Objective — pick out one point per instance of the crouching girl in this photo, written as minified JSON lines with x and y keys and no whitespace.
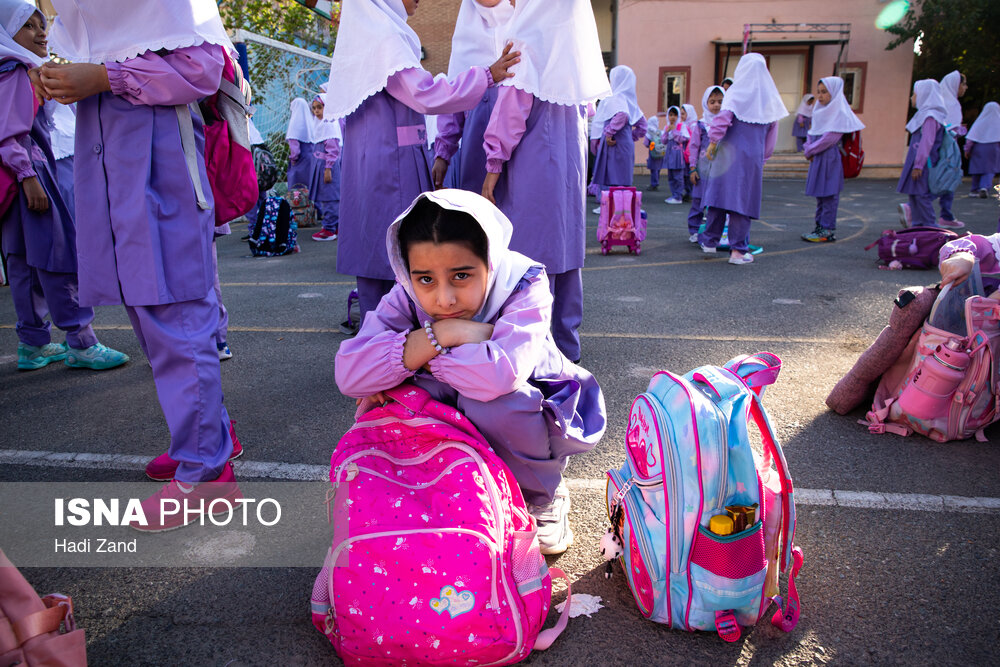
{"x":468,"y":320}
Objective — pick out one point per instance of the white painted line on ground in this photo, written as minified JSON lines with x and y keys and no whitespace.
{"x":303,"y":472}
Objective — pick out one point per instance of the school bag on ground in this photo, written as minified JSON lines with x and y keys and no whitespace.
{"x":33,"y":630}
{"x":852,"y":155}
{"x":435,"y":558}
{"x":622,"y":220}
{"x":913,"y":247}
{"x":302,"y":205}
{"x":945,"y":384}
{"x":265,"y":166}
{"x":689,"y":463}
{"x":274,"y":232}
{"x":946,"y":175}
{"x":229,"y":163}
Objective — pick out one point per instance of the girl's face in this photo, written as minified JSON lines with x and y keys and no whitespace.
{"x":672,"y":117}
{"x":410,"y":6}
{"x":962,"y":87}
{"x":32,"y":36}
{"x":913,"y":99}
{"x":449,"y":279}
{"x":822,"y":94}
{"x":715,"y":102}
{"x":317,"y":109}
{"x":491,"y":3}
{"x":684,"y":114}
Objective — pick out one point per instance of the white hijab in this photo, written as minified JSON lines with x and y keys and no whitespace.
{"x":13,"y":15}
{"x":255,"y":136}
{"x":706,"y":115}
{"x":479,"y":35}
{"x":622,"y":99}
{"x":506,"y":267}
{"x":753,"y":97}
{"x":63,"y":135}
{"x":100,"y":31}
{"x":806,"y":109}
{"x":986,"y":129}
{"x":652,"y":128}
{"x":300,"y":122}
{"x":561,"y":60}
{"x":683,"y":128}
{"x":373,"y":43}
{"x":322,"y":128}
{"x":837,"y":116}
{"x":949,"y":93}
{"x":692,"y":115}
{"x":929,"y":105}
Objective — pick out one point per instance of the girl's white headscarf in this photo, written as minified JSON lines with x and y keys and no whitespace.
{"x":100,"y":31}
{"x":929,"y":105}
{"x":692,"y":115}
{"x":986,"y":129}
{"x":806,"y":109}
{"x":63,"y":136}
{"x":753,"y":97}
{"x":13,"y":15}
{"x":836,"y":116}
{"x":706,"y":115}
{"x":255,"y":136}
{"x":506,"y":267}
{"x":373,"y":43}
{"x":561,"y":60}
{"x":949,"y":93}
{"x":652,"y":124}
{"x":479,"y":35}
{"x":301,"y":121}
{"x":622,"y":100}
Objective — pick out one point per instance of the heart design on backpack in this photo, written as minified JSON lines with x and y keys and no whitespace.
{"x":454,"y":602}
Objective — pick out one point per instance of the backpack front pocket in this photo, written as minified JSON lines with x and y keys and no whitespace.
{"x":727,"y":572}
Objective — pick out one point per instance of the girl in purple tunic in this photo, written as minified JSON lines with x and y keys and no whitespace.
{"x":678,"y":136}
{"x":742,"y":138}
{"x":327,"y":135}
{"x":982,"y":147}
{"x":468,"y":320}
{"x":617,"y":125}
{"x":711,"y":104}
{"x":39,"y":235}
{"x":952,"y":87}
{"x":144,"y":240}
{"x":832,"y":118}
{"x":654,"y":141}
{"x":803,"y":121}
{"x":383,"y":94}
{"x":926,"y":130}
{"x":303,"y":167}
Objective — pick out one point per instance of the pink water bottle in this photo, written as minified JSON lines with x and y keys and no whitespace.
{"x":935,"y":380}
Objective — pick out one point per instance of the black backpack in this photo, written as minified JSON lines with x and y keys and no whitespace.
{"x":265,"y":166}
{"x":274,"y":232}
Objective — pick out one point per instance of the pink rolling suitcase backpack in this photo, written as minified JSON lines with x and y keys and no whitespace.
{"x":622,"y":220}
{"x":434,"y":556}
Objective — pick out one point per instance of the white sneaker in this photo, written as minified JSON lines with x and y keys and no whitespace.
{"x":673,"y":200}
{"x":224,"y":352}
{"x":693,"y":238}
{"x":738,"y":258}
{"x":904,"y":215}
{"x":707,"y":249}
{"x":554,"y":533}
{"x":596,"y":211}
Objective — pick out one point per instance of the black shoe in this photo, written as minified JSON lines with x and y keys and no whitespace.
{"x":653,"y":188}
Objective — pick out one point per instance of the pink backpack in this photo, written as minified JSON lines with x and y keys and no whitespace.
{"x":622,"y":220}
{"x":434,"y":557}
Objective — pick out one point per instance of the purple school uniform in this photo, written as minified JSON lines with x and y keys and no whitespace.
{"x":917,"y":153}
{"x":143,"y":241}
{"x":534,"y":425}
{"x":736,"y":174}
{"x":40,"y":246}
{"x":984,"y":158}
{"x":696,"y":149}
{"x":542,"y":190}
{"x":825,"y":180}
{"x":386,"y":165}
{"x":468,"y":158}
{"x":328,"y":195}
{"x":306,"y":170}
{"x":801,"y":132}
{"x":614,"y":165}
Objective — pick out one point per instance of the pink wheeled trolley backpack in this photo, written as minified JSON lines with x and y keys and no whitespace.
{"x":622,"y":220}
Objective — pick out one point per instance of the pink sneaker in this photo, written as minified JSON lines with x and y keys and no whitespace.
{"x":178,"y":504}
{"x":951,"y":224}
{"x":162,"y":468}
{"x":905,"y":215}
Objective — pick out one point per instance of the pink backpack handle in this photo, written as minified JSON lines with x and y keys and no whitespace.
{"x":549,"y":635}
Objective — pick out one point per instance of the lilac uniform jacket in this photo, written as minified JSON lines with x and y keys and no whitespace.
{"x":735,"y":178}
{"x":141,"y":237}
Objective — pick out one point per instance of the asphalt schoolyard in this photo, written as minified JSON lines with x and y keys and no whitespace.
{"x":899,"y":534}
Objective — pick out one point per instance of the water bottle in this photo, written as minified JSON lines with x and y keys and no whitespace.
{"x":935,"y":380}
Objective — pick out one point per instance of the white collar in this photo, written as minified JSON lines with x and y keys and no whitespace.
{"x":100,"y":31}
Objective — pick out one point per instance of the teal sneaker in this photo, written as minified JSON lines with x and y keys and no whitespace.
{"x":31,"y":357}
{"x":96,"y":357}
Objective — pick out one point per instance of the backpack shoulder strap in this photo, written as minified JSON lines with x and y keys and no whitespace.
{"x":186,"y":126}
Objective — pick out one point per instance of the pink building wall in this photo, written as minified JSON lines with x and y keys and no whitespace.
{"x":660,"y":33}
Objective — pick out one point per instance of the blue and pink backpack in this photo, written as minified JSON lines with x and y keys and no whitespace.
{"x":689,"y":457}
{"x":434,"y":556}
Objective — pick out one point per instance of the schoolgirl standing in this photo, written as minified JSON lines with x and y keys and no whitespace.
{"x":614,"y":129}
{"x":742,"y":138}
{"x":953,"y":86}
{"x":654,"y":141}
{"x":468,"y":320}
{"x":38,"y":230}
{"x":303,"y":168}
{"x":832,"y":118}
{"x":926,"y":129}
{"x":144,"y":240}
{"x":383,"y":93}
{"x":327,"y":136}
{"x":982,"y":147}
{"x":803,"y":121}
{"x":677,"y":140}
{"x":711,"y":104}
{"x":689,"y":116}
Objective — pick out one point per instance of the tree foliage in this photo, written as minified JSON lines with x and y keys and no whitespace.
{"x":955,"y":34}
{"x":283,"y":20}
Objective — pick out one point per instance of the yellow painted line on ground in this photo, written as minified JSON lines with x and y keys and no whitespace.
{"x":265,"y":284}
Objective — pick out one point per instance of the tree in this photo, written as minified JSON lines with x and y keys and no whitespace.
{"x":955,"y":34}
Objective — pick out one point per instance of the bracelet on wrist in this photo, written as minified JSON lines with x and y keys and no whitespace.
{"x":433,"y":340}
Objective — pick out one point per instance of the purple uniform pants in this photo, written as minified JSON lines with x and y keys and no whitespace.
{"x":676,"y":177}
{"x":739,"y":229}
{"x":567,"y":311}
{"x":826,"y":211}
{"x":37,"y":292}
{"x":696,"y":215}
{"x":222,"y":332}
{"x":922,"y":210}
